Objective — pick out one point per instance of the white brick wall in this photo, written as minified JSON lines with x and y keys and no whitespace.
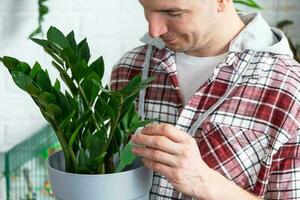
{"x":112,"y":27}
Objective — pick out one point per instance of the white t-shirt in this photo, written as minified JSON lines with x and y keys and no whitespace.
{"x":193,"y":71}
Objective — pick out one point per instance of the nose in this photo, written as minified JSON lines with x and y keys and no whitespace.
{"x":156,"y":25}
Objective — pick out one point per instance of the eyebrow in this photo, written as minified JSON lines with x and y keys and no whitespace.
{"x":172,"y":9}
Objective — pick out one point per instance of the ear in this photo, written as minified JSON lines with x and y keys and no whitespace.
{"x":223,"y":4}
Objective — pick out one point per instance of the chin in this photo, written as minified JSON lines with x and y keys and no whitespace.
{"x":176,"y":48}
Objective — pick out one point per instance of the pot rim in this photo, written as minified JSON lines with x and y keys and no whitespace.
{"x":142,"y":167}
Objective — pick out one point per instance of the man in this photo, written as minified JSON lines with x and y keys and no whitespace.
{"x":227,"y":98}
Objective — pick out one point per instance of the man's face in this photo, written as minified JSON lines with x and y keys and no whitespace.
{"x":184,"y":25}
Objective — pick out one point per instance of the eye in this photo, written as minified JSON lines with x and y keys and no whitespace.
{"x":175,"y":13}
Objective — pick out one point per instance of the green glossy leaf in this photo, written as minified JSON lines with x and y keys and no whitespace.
{"x":69,"y":56}
{"x":85,"y":116}
{"x":67,"y":80}
{"x":104,"y":90}
{"x":83,"y":170}
{"x":33,"y":90}
{"x":135,"y":85}
{"x":114,"y":146}
{"x":35,"y":70}
{"x":86,"y":137}
{"x":128,"y":103}
{"x":71,"y":39}
{"x":58,"y":67}
{"x":69,"y":83}
{"x":136,"y":125}
{"x":84,"y":51}
{"x":79,"y":70}
{"x":57,"y":37}
{"x":44,"y":81}
{"x":106,"y":109}
{"x":46,"y":98}
{"x":94,"y":143}
{"x":53,"y":111}
{"x":68,"y":130}
{"x":115,"y":104}
{"x":63,"y":103}
{"x":126,"y":157}
{"x":54,"y":51}
{"x":126,"y":120}
{"x":49,"y":116}
{"x":10,"y":62}
{"x":73,"y":104}
{"x":42,"y":43}
{"x":66,"y":121}
{"x":57,"y":85}
{"x":100,"y":158}
{"x":91,"y":91}
{"x":21,"y":79}
{"x":131,"y":85}
{"x":102,"y":101}
{"x":23,"y":67}
{"x":98,"y":67}
{"x":83,"y":160}
{"x":75,"y":134}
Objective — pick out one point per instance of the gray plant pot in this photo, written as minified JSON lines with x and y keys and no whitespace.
{"x":132,"y":184}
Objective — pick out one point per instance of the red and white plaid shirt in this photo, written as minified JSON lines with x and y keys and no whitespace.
{"x":252,"y":138}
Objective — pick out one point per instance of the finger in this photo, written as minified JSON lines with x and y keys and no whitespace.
{"x":160,"y":168}
{"x":166,"y":130}
{"x":157,"y":142}
{"x":155,"y":155}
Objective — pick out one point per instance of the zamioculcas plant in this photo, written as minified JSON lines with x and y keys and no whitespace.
{"x":93,"y":124}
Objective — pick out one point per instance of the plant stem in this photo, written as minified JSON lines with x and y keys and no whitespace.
{"x":54,"y":57}
{"x":70,"y":162}
{"x":109,"y":161}
{"x":64,"y":75}
{"x":113,"y":128}
{"x":70,"y":158}
{"x":88,"y":106}
{"x":109,"y":165}
{"x":100,"y":169}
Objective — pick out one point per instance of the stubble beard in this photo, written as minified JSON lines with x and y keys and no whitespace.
{"x":181,"y":45}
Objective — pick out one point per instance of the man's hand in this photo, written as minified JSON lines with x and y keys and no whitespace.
{"x":173,"y":154}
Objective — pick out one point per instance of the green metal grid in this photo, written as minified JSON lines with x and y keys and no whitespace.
{"x":26,"y":153}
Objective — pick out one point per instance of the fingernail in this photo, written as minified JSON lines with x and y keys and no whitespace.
{"x":133,"y":137}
